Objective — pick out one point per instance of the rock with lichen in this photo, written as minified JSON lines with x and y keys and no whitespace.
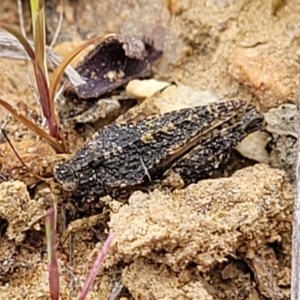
{"x":282,"y":123}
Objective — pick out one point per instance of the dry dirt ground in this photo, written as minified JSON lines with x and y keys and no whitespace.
{"x":227,"y":238}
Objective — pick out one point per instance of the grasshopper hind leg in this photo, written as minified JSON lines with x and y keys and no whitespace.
{"x":82,"y":224}
{"x":211,"y":155}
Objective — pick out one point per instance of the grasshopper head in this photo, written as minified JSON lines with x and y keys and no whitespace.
{"x":66,"y":177}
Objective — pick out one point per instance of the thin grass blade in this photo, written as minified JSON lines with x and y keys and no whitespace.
{"x":41,"y":69}
{"x":46,"y":102}
{"x":27,"y":122}
{"x":34,"y":6}
{"x":50,"y":224}
{"x":40,"y":36}
{"x":97,"y":265}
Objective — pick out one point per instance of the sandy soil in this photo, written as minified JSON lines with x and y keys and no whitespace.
{"x":227,"y":238}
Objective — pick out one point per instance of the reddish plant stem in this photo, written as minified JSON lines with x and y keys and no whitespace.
{"x":97,"y":265}
{"x":52,"y":259}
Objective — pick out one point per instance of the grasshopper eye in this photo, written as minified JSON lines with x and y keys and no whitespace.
{"x":69,"y":186}
{"x":66,"y":177}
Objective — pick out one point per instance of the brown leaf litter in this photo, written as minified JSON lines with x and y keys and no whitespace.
{"x":112,"y":64}
{"x":106,"y":68}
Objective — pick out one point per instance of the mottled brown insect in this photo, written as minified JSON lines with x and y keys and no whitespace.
{"x":192,"y":142}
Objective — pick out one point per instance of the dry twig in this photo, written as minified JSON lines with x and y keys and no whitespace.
{"x":10,"y":47}
{"x":295,"y":278}
{"x":57,"y":31}
{"x":21,"y":17}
